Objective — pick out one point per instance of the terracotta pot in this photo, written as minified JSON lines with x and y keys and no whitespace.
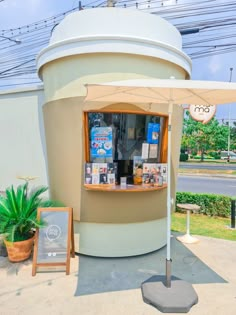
{"x":19,"y":251}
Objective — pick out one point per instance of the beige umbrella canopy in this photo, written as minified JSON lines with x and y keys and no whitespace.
{"x":163,"y":91}
{"x":168,"y":92}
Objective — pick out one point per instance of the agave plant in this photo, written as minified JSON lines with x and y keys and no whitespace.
{"x":18,"y":211}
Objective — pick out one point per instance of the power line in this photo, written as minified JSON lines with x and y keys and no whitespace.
{"x":215,"y":20}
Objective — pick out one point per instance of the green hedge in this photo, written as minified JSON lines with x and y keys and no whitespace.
{"x":212,"y":205}
{"x":205,"y":157}
{"x":183,"y":157}
{"x":215,"y":155}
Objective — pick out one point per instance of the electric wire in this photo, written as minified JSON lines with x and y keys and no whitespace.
{"x":216,"y":21}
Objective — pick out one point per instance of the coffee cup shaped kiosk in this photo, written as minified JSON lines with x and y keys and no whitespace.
{"x":92,"y":146}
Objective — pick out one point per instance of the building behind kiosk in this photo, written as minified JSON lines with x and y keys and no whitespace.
{"x":90,"y":146}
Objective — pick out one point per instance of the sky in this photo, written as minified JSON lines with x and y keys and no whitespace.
{"x":16,"y":13}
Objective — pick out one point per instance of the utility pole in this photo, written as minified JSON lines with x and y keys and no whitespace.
{"x":228,"y":158}
{"x":111,"y":3}
{"x":80,"y":6}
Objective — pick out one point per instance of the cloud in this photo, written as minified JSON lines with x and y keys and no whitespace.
{"x":214,"y":64}
{"x":14,"y":14}
{"x":169,"y":2}
{"x":33,"y":5}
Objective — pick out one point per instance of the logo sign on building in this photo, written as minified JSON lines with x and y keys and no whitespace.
{"x":202,"y":113}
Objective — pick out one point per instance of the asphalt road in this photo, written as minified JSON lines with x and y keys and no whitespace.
{"x":214,"y":185}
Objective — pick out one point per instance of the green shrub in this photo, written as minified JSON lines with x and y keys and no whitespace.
{"x":183,"y":157}
{"x":205,"y":157}
{"x":214,"y":154}
{"x":211,"y":204}
{"x":194,"y":152}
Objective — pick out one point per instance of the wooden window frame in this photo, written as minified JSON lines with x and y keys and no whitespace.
{"x":164,"y":135}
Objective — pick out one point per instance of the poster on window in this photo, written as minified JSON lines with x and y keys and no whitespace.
{"x":101,"y":142}
{"x":153,"y":133}
{"x":153,"y":151}
{"x":145,"y":150}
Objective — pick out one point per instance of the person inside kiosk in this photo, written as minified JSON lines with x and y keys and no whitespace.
{"x":125,"y":145}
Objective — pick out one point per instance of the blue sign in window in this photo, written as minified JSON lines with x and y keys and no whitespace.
{"x":101,"y":142}
{"x":153,"y":133}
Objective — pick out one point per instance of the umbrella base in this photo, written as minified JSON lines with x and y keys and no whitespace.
{"x":187,"y":239}
{"x":179,"y":298}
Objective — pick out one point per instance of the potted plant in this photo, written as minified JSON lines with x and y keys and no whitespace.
{"x":18,"y":219}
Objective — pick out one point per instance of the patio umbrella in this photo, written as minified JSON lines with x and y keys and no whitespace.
{"x":163,"y":91}
{"x":169,"y":92}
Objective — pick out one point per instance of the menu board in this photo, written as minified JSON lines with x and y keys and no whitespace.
{"x":101,"y":142}
{"x":55,"y":240}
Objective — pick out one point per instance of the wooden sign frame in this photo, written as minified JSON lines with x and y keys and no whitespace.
{"x":70,"y":241}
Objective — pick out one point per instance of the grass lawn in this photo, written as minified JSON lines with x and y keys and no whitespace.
{"x":203,"y":225}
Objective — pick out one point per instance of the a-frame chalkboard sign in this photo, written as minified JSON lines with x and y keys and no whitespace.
{"x":54,"y":243}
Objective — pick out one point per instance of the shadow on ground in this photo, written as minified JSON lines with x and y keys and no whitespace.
{"x":97,"y":275}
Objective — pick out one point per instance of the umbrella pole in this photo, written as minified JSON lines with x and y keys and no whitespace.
{"x":168,"y":255}
{"x":178,"y":296}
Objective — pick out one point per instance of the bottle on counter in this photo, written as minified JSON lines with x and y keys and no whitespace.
{"x":160,"y":180}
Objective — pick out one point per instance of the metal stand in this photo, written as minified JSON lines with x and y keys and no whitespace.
{"x":232,"y":213}
{"x":187,"y":238}
{"x":168,"y":273}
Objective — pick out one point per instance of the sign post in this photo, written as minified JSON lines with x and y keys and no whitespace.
{"x":54,"y":243}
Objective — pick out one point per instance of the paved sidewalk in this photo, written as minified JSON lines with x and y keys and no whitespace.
{"x":100,"y":286}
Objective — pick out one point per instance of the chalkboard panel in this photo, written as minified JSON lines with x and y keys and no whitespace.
{"x":53,"y":242}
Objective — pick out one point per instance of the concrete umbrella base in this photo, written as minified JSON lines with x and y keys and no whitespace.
{"x":179,"y":298}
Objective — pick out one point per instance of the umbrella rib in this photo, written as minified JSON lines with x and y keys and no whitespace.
{"x":148,"y":97}
{"x":109,"y":94}
{"x":197,"y":95}
{"x":159,"y":94}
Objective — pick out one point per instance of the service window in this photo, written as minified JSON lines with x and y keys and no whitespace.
{"x":129,"y":140}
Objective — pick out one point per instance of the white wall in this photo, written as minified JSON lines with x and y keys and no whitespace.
{"x":22,"y":143}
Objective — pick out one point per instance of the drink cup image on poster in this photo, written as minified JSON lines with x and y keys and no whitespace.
{"x":103,"y":178}
{"x":102,"y":168}
{"x":153,"y":133}
{"x":95,"y":179}
{"x":88,"y":168}
{"x":164,"y":172}
{"x":95,"y":168}
{"x":88,"y":179}
{"x":101,"y":142}
{"x":111,"y":178}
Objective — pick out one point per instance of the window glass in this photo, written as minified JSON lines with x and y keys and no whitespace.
{"x":124,"y":138}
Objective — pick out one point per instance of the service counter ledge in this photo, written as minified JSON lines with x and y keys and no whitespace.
{"x":129,"y":188}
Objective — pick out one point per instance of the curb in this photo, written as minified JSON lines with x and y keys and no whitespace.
{"x":208,"y":175}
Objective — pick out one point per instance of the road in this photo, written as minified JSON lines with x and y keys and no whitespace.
{"x":214,"y":185}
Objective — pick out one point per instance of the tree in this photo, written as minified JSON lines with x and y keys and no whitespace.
{"x":204,"y":137}
{"x":233,"y":136}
